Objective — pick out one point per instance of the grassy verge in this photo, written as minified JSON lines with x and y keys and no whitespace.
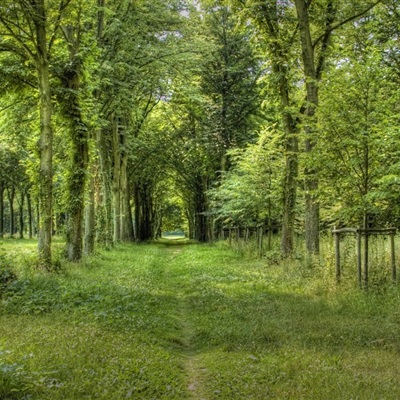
{"x":192,"y":321}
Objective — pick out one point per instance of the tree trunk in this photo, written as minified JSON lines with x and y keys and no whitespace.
{"x":116,"y":183}
{"x":291,"y":167}
{"x":89,"y":212}
{"x":37,"y":211}
{"x":127,"y":234}
{"x":127,"y":231}
{"x":78,"y":145}
{"x":158,"y":224}
{"x":201,"y":228}
{"x":144,"y":213}
{"x":21,"y":215}
{"x":1,"y":210}
{"x":46,"y":138}
{"x":136,"y":201}
{"x":11,"y":195}
{"x":30,"y":215}
{"x":281,"y":71}
{"x":190,"y":218}
{"x":104,"y":193}
{"x":77,"y":179}
{"x":311,"y":180}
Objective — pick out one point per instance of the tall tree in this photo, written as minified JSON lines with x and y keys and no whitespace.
{"x":229,"y":77}
{"x":138,"y":45}
{"x":314,"y":22}
{"x":314,"y":53}
{"x":276,"y":25}
{"x":24,"y":27}
{"x":71,"y":97}
{"x":216,"y":110}
{"x":358,"y":132}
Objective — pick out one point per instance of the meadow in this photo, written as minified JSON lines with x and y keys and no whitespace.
{"x":176,"y":320}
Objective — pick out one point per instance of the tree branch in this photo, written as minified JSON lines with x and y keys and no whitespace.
{"x":62,"y":7}
{"x":345,"y":21}
{"x":8,"y":26}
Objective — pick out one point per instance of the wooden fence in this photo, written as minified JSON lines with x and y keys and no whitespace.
{"x":363,"y":257}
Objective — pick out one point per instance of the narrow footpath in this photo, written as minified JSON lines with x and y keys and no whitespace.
{"x":194,"y":371}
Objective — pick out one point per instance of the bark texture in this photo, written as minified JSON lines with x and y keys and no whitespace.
{"x":311,"y":181}
{"x":78,"y":133}
{"x":1,"y":210}
{"x":280,"y":64}
{"x":46,"y":137}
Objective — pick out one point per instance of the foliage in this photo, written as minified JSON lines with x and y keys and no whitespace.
{"x":228,"y":78}
{"x":173,"y":215}
{"x":249,"y":194}
{"x":7,"y":275}
{"x":358,"y":138}
{"x":161,"y":99}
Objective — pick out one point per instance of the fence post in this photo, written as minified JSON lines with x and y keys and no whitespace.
{"x":260,"y":240}
{"x":337,"y":254}
{"x":366,"y":251}
{"x":393,"y":256}
{"x":359,"y":267}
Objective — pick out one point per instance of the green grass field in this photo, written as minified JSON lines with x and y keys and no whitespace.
{"x":177,"y":321}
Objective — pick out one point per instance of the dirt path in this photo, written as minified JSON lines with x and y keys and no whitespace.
{"x":195,"y":372}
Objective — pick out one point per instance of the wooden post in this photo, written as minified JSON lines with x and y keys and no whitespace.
{"x":359,"y":266}
{"x":393,"y":257}
{"x":260,"y":240}
{"x":337,"y":254}
{"x":366,"y":250}
{"x":269,"y":237}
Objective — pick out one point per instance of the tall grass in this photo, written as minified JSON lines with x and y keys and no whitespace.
{"x":194,"y":321}
{"x":380,"y":271}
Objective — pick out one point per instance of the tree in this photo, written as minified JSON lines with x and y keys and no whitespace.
{"x":358,"y":133}
{"x":24,"y":32}
{"x":314,"y":22}
{"x":70,"y":72}
{"x":313,"y":64}
{"x":139,"y":42}
{"x":216,"y":111}
{"x":229,"y":77}
{"x":249,"y":194}
{"x":276,"y":25}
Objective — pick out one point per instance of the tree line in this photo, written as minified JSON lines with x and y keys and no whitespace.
{"x":119,"y":119}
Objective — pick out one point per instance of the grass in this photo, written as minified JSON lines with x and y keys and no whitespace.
{"x":173,"y":321}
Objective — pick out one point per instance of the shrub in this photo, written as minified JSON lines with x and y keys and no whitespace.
{"x":7,"y":275}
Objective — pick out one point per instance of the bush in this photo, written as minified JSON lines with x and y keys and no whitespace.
{"x":7,"y":275}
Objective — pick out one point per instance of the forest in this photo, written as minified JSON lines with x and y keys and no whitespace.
{"x":191,"y":194}
{"x":120,"y":120}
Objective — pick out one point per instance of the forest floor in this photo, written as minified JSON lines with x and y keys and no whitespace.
{"x":175,"y":321}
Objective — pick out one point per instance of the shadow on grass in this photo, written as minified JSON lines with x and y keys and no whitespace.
{"x":224,"y":311}
{"x":179,"y":241}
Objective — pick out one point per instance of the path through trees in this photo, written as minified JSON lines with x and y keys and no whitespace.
{"x":120,"y":119}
